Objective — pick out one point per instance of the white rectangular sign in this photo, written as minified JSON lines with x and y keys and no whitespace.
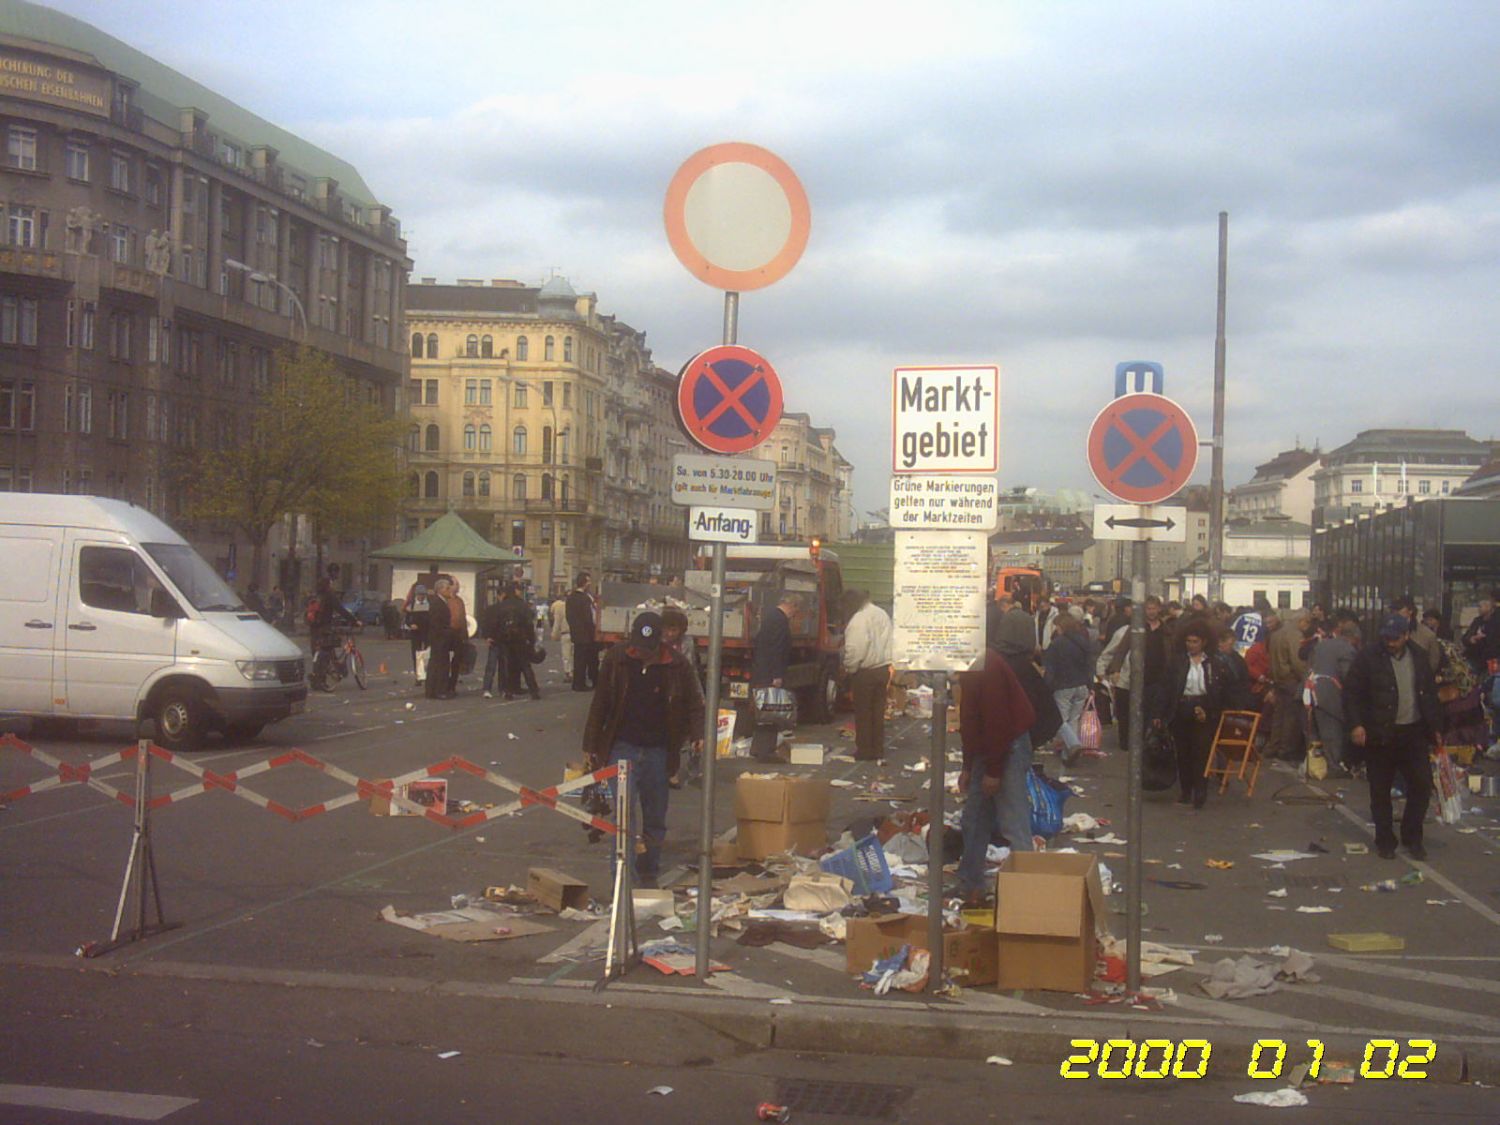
{"x":731,"y":482}
{"x":1140,"y":523}
{"x":722,"y":525}
{"x":939,"y":606}
{"x":937,"y":502}
{"x":945,"y":420}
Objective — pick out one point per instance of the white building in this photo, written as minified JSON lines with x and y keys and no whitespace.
{"x":1380,"y":468}
{"x":1266,"y":560}
{"x":1283,"y":486}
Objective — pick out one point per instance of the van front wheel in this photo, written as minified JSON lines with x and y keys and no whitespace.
{"x":179,"y":720}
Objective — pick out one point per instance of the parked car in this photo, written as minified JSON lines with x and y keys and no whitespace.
{"x":365,"y":605}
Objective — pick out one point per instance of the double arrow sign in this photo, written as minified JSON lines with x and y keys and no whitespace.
{"x":1140,"y":523}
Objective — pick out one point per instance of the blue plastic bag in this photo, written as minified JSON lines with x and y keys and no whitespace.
{"x":1047,"y":799}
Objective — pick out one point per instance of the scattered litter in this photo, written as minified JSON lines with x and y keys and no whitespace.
{"x":1180,"y":884}
{"x":1236,"y":980}
{"x":411,"y":706}
{"x":1386,"y":886}
{"x":1443,"y":901}
{"x":1367,"y":943}
{"x":1277,"y":1099}
{"x":473,"y":923}
{"x":1314,"y":910}
{"x":998,"y":1060}
{"x":1279,"y":892}
{"x":1353,"y":848}
{"x":449,"y":1054}
{"x":313,"y":1043}
{"x":1283,"y":855}
{"x":1080,"y":822}
{"x":512,"y":736}
{"x":1107,"y":838}
{"x":1219,"y":864}
{"x":672,"y":957}
{"x":1411,"y":878}
{"x":460,"y":901}
{"x":1318,"y":848}
{"x":782,"y":1000}
{"x":660,"y":1091}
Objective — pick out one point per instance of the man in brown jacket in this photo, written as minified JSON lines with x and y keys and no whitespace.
{"x":646,"y":705}
{"x":1288,"y":674}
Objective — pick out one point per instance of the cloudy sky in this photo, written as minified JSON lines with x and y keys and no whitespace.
{"x":1035,"y":185}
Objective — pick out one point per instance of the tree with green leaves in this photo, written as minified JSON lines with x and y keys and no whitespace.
{"x":313,"y":444}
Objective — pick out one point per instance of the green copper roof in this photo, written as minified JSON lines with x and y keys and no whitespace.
{"x":163,"y":92}
{"x":449,"y":539}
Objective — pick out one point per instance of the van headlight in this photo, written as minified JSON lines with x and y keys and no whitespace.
{"x":257,"y":670}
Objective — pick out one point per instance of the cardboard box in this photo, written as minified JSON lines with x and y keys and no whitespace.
{"x":880,"y":935}
{"x":1367,"y":943}
{"x":777,"y":812}
{"x":557,"y":890}
{"x":807,"y":754}
{"x":429,"y":794}
{"x":1049,"y":904}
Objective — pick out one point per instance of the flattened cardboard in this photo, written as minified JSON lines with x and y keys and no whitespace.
{"x":1049,"y":906}
{"x":468,"y":925}
{"x":556,"y":889}
{"x":972,"y":950}
{"x":430,"y":794}
{"x":806,"y":754}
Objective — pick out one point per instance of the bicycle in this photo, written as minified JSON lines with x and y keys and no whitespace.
{"x":333,"y":663}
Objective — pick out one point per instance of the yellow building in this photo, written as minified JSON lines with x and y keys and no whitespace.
{"x":813,"y":495}
{"x":513,"y":390}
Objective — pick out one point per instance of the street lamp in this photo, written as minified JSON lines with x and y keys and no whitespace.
{"x":262,"y":278}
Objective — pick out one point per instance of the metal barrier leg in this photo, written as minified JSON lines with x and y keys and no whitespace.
{"x":140,"y":871}
{"x":623,"y":952}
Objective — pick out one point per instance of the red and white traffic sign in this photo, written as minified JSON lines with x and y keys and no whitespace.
{"x":1142,"y":448}
{"x":728,"y":399}
{"x":737,"y":216}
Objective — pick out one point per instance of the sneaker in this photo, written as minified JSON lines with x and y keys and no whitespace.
{"x":489,"y":695}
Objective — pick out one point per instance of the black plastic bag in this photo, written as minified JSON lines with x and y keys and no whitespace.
{"x":1158,"y":760}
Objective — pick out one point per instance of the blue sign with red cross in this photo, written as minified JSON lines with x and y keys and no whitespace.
{"x":1142,"y":448}
{"x":728,"y":399}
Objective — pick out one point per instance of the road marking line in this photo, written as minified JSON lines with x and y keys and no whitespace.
{"x":1470,"y":1020}
{"x":106,"y":1103}
{"x":1447,"y":980}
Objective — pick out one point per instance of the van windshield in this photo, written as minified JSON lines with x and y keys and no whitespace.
{"x":194,"y":578}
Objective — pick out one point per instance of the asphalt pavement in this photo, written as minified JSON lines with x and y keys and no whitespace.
{"x":264,"y":904}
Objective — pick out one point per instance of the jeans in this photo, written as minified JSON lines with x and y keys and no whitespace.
{"x":1070,"y":702}
{"x":650,"y":791}
{"x":982,"y":815}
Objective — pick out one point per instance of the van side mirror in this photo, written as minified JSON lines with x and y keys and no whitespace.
{"x":164,"y":605}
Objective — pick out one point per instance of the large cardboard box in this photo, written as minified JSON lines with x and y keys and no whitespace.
{"x":432,"y":794}
{"x":1048,"y":905}
{"x":880,"y":935}
{"x":777,"y":812}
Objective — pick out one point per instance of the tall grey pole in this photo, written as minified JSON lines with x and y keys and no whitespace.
{"x":711,"y":708}
{"x":1216,"y":483}
{"x":935,"y":771}
{"x":1140,"y":565}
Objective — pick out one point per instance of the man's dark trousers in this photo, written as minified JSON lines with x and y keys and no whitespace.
{"x":1405,"y":754}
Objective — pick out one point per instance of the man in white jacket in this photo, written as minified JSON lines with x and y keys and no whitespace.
{"x":867,"y":663}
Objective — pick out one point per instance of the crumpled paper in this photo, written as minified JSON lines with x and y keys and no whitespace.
{"x":1279,"y":1099}
{"x":823,"y":892}
{"x":1236,"y":980}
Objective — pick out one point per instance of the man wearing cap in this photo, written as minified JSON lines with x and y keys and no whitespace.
{"x":646,"y":705}
{"x":1391,"y":707}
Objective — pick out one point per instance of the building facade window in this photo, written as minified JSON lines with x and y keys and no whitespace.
{"x":549,"y":349}
{"x":518,"y":487}
{"x":432,"y":392}
{"x":468,"y":484}
{"x":471,"y":347}
{"x":470,"y":437}
{"x":20,"y":147}
{"x":471,"y":392}
{"x":484,"y":484}
{"x":432,"y":439}
{"x":520,"y":398}
{"x":432,"y":347}
{"x":518,"y":441}
{"x":416,"y":345}
{"x":484,"y":392}
{"x":414,"y":440}
{"x":523,"y":348}
{"x":1356,"y":485}
{"x":1424,"y":487}
{"x":21,"y":227}
{"x":119,"y":171}
{"x":484,"y":438}
{"x":567,"y":349}
{"x":430,"y":486}
{"x":414,"y":487}
{"x":77,"y":161}
{"x":487,"y":347}
{"x":17,"y":405}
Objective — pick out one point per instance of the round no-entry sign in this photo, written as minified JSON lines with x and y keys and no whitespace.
{"x":1143,"y":448}
{"x":737,"y":216}
{"x":729,"y":399}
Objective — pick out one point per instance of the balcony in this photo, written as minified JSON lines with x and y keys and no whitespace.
{"x":34,"y":263}
{"x":117,"y":275}
{"x":571,"y":506}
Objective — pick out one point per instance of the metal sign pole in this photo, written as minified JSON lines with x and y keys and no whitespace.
{"x":711,"y":707}
{"x":1141,"y":574}
{"x":935,"y":770}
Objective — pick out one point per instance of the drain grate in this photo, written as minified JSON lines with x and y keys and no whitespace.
{"x":843,"y":1099}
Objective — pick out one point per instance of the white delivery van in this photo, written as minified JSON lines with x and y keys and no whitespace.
{"x":107,"y":613}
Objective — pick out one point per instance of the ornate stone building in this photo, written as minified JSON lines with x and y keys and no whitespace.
{"x":160,"y":244}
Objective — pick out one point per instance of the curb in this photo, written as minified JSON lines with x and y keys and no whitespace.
{"x":886,"y":1028}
